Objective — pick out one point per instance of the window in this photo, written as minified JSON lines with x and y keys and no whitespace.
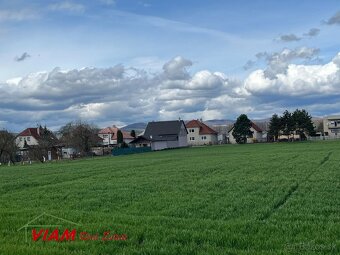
{"x":105,"y":136}
{"x":192,"y":138}
{"x":20,"y":139}
{"x":191,"y":130}
{"x":204,"y":138}
{"x":28,"y":138}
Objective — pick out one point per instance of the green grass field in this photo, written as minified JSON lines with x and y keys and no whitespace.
{"x":233,"y":199}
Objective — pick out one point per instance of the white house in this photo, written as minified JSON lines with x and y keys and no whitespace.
{"x":29,"y":136}
{"x":109,"y":136}
{"x":164,"y":135}
{"x":257,"y":135}
{"x":200,"y":134}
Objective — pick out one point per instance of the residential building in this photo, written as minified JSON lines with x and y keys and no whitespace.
{"x":257,"y":135}
{"x":28,"y":144}
{"x":109,"y":136}
{"x":29,"y":136}
{"x":331,"y":126}
{"x":164,"y":135}
{"x":200,"y":133}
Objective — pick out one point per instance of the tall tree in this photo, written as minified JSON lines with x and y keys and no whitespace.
{"x":8,"y":147}
{"x":287,"y":124}
{"x":274,"y":127}
{"x":242,"y":129}
{"x":80,"y":135}
{"x":303,"y":123}
{"x":120,"y":138}
{"x":133,"y":133}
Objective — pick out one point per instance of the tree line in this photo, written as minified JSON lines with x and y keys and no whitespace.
{"x":79,"y":135}
{"x":289,"y":124}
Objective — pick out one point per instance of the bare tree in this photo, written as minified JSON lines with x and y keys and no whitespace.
{"x":80,"y":135}
{"x":47,"y":141}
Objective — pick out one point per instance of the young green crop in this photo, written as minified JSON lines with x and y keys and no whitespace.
{"x":234,"y":199}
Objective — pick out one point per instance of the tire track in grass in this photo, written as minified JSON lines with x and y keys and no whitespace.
{"x":282,"y":200}
{"x":279,"y":203}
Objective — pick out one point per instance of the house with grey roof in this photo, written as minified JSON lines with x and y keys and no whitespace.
{"x":162,"y":135}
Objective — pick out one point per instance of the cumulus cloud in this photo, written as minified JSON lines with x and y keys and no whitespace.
{"x":67,"y":6}
{"x":125,"y":95}
{"x":312,"y":32}
{"x":249,"y":64}
{"x":277,"y":62}
{"x":23,"y":57}
{"x":314,"y":81}
{"x":289,"y":38}
{"x":175,"y":69}
{"x":334,"y":20}
{"x":118,"y":94}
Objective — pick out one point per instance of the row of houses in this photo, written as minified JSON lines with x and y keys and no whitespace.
{"x":159,"y":135}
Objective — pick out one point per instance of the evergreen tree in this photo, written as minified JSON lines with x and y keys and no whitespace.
{"x":242,"y":129}
{"x":120,"y":138}
{"x":303,"y":123}
{"x":287,"y":123}
{"x":274,"y":127}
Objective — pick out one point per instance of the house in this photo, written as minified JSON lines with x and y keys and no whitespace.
{"x":29,"y":136}
{"x":109,"y":136}
{"x":164,"y":135}
{"x":28,"y":142}
{"x":200,"y":134}
{"x":331,"y":126}
{"x":257,"y":135}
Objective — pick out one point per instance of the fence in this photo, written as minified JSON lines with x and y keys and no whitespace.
{"x":126,"y":151}
{"x":320,"y":138}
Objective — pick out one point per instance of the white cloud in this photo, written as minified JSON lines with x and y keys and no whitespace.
{"x":175,"y":69}
{"x":298,"y":80}
{"x":126,"y":95}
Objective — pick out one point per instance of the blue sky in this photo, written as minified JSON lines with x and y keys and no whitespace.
{"x":215,"y":51}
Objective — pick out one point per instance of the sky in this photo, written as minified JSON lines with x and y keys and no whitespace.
{"x":115,"y":62}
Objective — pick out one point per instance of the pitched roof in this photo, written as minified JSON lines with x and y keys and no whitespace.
{"x":30,"y":132}
{"x":163,"y":130}
{"x":204,"y":129}
{"x":256,"y":127}
{"x":253,"y":125}
{"x":113,"y":132}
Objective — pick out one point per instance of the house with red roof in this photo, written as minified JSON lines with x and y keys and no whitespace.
{"x":200,"y":133}
{"x":257,"y":135}
{"x":109,"y":136}
{"x":30,"y":137}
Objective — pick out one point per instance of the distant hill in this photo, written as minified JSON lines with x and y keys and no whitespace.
{"x":219,"y":122}
{"x":135,"y":126}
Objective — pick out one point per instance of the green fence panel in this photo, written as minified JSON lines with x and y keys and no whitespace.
{"x":126,"y":151}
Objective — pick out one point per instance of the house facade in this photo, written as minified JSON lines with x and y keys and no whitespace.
{"x":200,"y":134}
{"x":109,"y":136}
{"x":331,"y":126}
{"x":28,"y":144}
{"x":257,"y":135}
{"x":29,"y":136}
{"x":164,"y":135}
